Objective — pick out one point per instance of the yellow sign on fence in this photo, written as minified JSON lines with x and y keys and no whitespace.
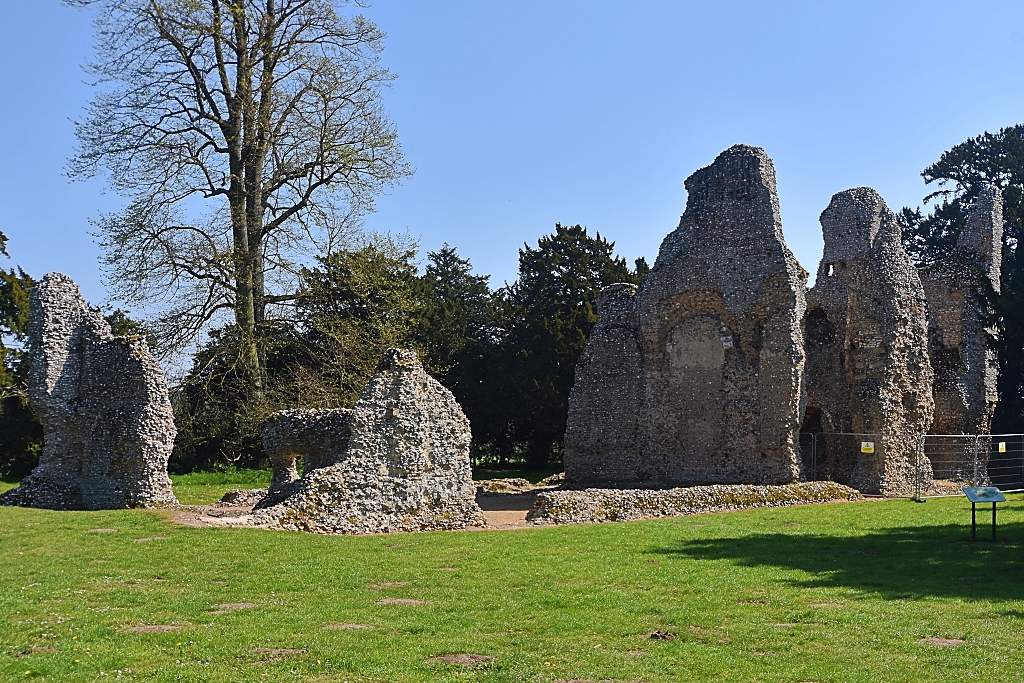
{"x":1002,"y":446}
{"x":867,"y":446}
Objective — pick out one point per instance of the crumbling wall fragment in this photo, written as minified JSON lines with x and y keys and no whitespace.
{"x":960,"y":334}
{"x":318,"y":436}
{"x":102,"y":400}
{"x":959,"y":325}
{"x":696,"y":378}
{"x":603,"y":432}
{"x":868,"y":369}
{"x":406,"y":466}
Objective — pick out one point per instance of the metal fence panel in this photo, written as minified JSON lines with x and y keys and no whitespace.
{"x":942,"y":464}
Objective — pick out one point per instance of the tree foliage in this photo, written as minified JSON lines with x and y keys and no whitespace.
{"x":547,"y":316}
{"x":508,"y":356}
{"x":351,"y":306}
{"x":246,"y":135}
{"x":20,"y":434}
{"x":959,"y":174}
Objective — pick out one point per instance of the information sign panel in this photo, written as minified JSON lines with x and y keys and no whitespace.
{"x":867,"y":446}
{"x":984,"y":494}
{"x":1002,"y":446}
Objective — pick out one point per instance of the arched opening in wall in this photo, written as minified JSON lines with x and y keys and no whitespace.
{"x":813,"y":453}
{"x":818,"y":329}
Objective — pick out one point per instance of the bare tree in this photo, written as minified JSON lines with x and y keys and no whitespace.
{"x":246,"y":134}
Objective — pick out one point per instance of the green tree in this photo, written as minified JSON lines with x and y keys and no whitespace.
{"x":549,"y":313}
{"x":246,"y":135}
{"x":959,"y":174}
{"x":456,"y":317}
{"x":352,"y":305}
{"x":460,"y":332}
{"x":21,"y":436}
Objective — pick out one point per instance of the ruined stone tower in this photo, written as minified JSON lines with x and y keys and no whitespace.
{"x":695,"y":378}
{"x":867,"y":357}
{"x":957,"y":290}
{"x":102,"y":400}
{"x":960,"y":332}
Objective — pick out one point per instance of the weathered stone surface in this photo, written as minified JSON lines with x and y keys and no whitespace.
{"x":695,"y":378}
{"x":102,"y":400}
{"x":867,"y":358}
{"x":958,"y":326}
{"x":620,"y":505}
{"x":958,"y":291}
{"x":406,"y":467}
{"x":319,"y":437}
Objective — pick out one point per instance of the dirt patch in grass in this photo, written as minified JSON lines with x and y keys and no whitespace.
{"x":388,"y":584}
{"x":100,"y":531}
{"x":399,"y":601}
{"x":152,"y":628}
{"x":228,"y":607}
{"x":278,"y":652}
{"x":941,"y":642}
{"x":461,"y":660}
{"x":662,"y":635}
{"x":506,"y":510}
{"x":37,"y":651}
{"x":446,"y":569}
{"x":347,"y":627}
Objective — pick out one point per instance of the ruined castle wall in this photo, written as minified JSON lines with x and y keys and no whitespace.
{"x":406,"y":466}
{"x":718,"y":324}
{"x":959,"y":330}
{"x":868,"y":367}
{"x":604,"y":406}
{"x":108,"y":427}
{"x":960,"y":336}
{"x":318,"y":436}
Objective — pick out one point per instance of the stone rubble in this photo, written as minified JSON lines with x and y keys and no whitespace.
{"x":695,"y":377}
{"x":868,"y":370}
{"x":102,"y":400}
{"x":620,"y":505}
{"x":406,"y":466}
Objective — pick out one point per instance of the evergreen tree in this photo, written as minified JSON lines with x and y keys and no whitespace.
{"x":550,"y":312}
{"x":959,"y":173}
{"x":21,"y":437}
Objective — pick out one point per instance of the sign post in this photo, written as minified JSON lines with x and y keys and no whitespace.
{"x":983,"y":494}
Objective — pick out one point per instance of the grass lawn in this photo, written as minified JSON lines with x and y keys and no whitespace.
{"x":204,"y":488}
{"x":839,"y":592}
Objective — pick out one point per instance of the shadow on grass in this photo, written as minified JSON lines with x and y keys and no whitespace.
{"x":913,"y":562}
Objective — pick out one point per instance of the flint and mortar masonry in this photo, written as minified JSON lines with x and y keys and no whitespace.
{"x":319,"y":437}
{"x":102,"y":400}
{"x":958,"y":290}
{"x":406,"y":466}
{"x":695,"y":378}
{"x":868,"y":369}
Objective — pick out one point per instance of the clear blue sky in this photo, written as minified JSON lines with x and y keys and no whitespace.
{"x":520,"y":114}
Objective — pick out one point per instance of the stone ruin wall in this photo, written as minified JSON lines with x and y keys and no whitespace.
{"x":398,"y":461}
{"x":959,"y":336}
{"x":102,"y":400}
{"x":695,"y":377}
{"x":318,"y":436}
{"x":868,"y":369}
